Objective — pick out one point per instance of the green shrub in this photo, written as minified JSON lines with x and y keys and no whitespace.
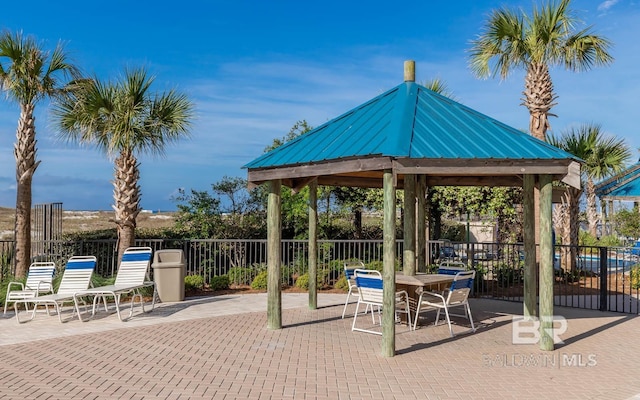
{"x":432,"y":268}
{"x":478,"y":282}
{"x":193,"y":282}
{"x":454,"y":231}
{"x":260,"y":281}
{"x":219,"y":282}
{"x":342,"y":284}
{"x":507,"y":275}
{"x":98,"y":280}
{"x":241,"y":275}
{"x":303,"y":281}
{"x":379,"y":265}
{"x":634,"y":275}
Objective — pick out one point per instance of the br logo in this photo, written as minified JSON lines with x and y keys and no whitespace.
{"x":527,"y":330}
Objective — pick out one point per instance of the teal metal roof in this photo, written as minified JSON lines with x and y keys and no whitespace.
{"x":623,"y":186}
{"x":410,"y":121}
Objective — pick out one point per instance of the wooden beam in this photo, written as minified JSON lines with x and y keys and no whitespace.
{"x":546,"y":265}
{"x":529,"y":226}
{"x":448,"y":166}
{"x":313,"y":244}
{"x":298,"y":184}
{"x":327,"y":168}
{"x":472,"y":180}
{"x":421,"y":224}
{"x":350,"y":181}
{"x":409,"y":226}
{"x":274,"y":246}
{"x":573,"y":177}
{"x":388,"y":267}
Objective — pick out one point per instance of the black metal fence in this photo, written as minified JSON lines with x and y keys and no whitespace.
{"x":598,"y":278}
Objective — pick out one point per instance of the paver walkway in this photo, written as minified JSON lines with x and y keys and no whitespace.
{"x":220,"y":348}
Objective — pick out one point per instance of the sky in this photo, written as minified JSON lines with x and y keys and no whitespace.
{"x":255,"y":68}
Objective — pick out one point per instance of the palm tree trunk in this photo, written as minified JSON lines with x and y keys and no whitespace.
{"x":574,"y":225}
{"x":592,"y":212}
{"x":538,"y":98}
{"x":25,"y":155}
{"x":569,"y":232}
{"x":126,"y":194}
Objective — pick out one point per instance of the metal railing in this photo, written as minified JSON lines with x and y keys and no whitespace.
{"x":599,"y":278}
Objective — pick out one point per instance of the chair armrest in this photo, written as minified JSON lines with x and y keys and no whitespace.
{"x":433,"y":295}
{"x":43,"y":285}
{"x":20,"y":284}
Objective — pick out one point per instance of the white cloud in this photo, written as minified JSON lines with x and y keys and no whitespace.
{"x":606,"y":5}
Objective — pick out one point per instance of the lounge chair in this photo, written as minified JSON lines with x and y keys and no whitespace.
{"x":451,"y":267}
{"x":39,"y":281}
{"x":131,"y":278}
{"x":76,"y":277}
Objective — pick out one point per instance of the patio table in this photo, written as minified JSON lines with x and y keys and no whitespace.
{"x":431,"y":282}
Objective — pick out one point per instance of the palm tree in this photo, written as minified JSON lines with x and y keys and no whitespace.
{"x":536,"y":42}
{"x":603,"y":157}
{"x":547,"y":38}
{"x":28,"y":74}
{"x":124,"y":119}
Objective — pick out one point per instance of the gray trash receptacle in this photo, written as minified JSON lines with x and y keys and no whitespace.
{"x":168,"y":273}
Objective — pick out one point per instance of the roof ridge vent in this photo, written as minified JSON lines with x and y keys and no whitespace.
{"x":409,"y":71}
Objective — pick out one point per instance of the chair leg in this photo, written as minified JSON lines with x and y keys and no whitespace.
{"x":446,"y":313}
{"x":355,"y":316}
{"x":346,"y":302}
{"x":473,"y":328}
{"x":437,"y":317}
{"x":415,"y":321}
{"x":408,"y":312}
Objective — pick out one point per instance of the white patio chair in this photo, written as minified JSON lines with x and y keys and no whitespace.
{"x":39,"y":281}
{"x":349,"y":268}
{"x":131,"y":278}
{"x":456,"y":296}
{"x":369,"y":284}
{"x":76,"y":277}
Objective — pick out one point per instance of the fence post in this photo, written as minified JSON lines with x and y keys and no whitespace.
{"x":604,"y":260}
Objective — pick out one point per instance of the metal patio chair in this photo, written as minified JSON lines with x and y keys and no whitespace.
{"x":455,"y":296}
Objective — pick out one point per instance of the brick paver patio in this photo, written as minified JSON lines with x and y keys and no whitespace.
{"x":220,"y":348}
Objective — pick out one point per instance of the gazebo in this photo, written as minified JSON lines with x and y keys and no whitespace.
{"x":623,"y":186}
{"x":410,"y":138}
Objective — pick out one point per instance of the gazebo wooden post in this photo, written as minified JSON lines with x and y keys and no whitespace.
{"x":388,"y":268}
{"x":421,"y":223}
{"x":546,"y":264}
{"x":274,"y":249}
{"x":530,"y":276}
{"x":409,"y":250}
{"x":313,"y":244}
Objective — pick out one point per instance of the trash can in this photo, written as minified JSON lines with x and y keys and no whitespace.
{"x":168,"y":273}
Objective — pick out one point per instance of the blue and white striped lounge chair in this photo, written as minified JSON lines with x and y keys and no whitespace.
{"x":132,"y":276}
{"x":451,"y":267}
{"x":76,"y":277}
{"x":369,"y":284}
{"x":456,"y":296}
{"x":39,"y":281}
